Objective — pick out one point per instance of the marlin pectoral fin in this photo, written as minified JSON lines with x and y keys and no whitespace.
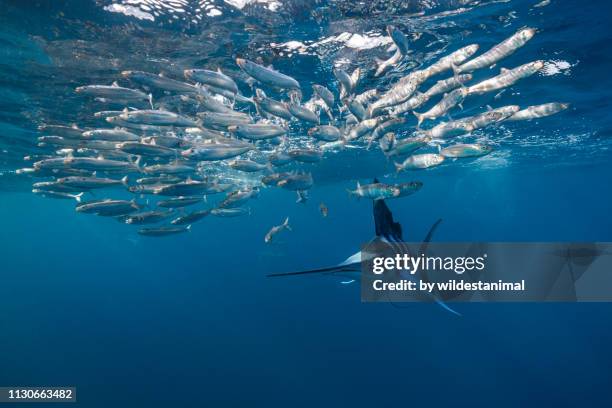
{"x":429,"y":236}
{"x":351,"y":260}
{"x":423,"y":250}
{"x":446,"y":307}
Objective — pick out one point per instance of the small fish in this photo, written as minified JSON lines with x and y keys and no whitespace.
{"x":344,"y":79}
{"x":159,"y":81}
{"x":179,"y":202}
{"x":384,"y":65}
{"x":205,"y":134}
{"x":279,"y":158}
{"x":448,"y":129}
{"x":98,"y":145}
{"x":158,"y":180}
{"x":106,"y":114}
{"x":466,"y":150}
{"x":498,"y":52}
{"x":276,"y":229}
{"x":414,"y":102}
{"x":230,"y":212}
{"x":58,"y":194}
{"x":271,"y":106}
{"x":356,"y":109}
{"x":387,"y":142}
{"x":166,"y":140}
{"x":375,"y":191}
{"x":348,"y":83}
{"x":145,"y":149}
{"x":447,"y":85}
{"x":420,"y":161}
{"x":153,"y":117}
{"x":121,"y":122}
{"x":364,"y":127}
{"x":386,"y":127}
{"x":208,"y":102}
{"x":401,"y":49}
{"x":296,"y":181}
{"x":406,"y":189}
{"x":50,"y":164}
{"x":543,"y":3}
{"x":539,"y":111}
{"x":216,"y":79}
{"x":55,"y":186}
{"x":258,"y":131}
{"x":238,"y":198}
{"x":335,"y":146}
{"x":506,"y":78}
{"x":213,"y":152}
{"x":323,"y":209}
{"x":68,"y":132}
{"x":399,"y":93}
{"x":190,"y":218}
{"x":98,"y":164}
{"x":112,"y":135}
{"x":449,"y":101}
{"x":222,"y":121}
{"x":88,"y":183}
{"x":306,"y":155}
{"x":490,"y":117}
{"x":267,"y":76}
{"x":56,"y":172}
{"x":191,"y":187}
{"x":367,"y":96}
{"x":108,"y":207}
{"x":274,"y":178}
{"x":163,"y":231}
{"x":248,"y":166}
{"x":326,"y":133}
{"x":229,"y":95}
{"x":303,"y":113}
{"x":406,"y":146}
{"x":57,"y":141}
{"x":167,"y":169}
{"x":147,"y":217}
{"x":452,"y":60}
{"x":113,"y":92}
{"x":145,"y":188}
{"x":326,"y":95}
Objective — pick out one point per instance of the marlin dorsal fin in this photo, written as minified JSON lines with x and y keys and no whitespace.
{"x":384,"y":224}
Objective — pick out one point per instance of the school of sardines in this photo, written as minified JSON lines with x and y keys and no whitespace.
{"x":164,"y":157}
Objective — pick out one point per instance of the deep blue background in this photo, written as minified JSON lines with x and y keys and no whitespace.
{"x":192,"y":321}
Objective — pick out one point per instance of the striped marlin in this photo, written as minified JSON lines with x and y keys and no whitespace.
{"x":388,"y":232}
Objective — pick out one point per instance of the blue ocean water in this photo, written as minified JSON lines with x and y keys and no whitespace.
{"x":192,"y":320}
